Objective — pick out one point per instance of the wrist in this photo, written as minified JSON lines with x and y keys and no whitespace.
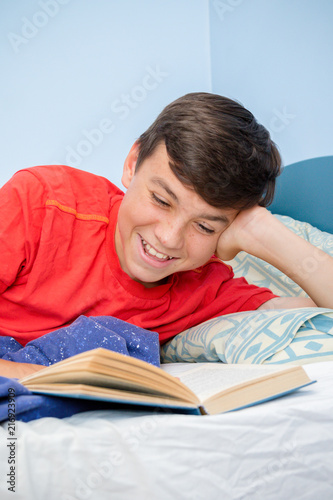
{"x":258,"y":235}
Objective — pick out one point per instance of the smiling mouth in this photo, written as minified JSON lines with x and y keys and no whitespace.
{"x":149,"y":250}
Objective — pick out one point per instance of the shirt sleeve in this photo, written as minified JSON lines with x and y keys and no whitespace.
{"x":21,"y":214}
{"x":243,"y":296}
{"x":219,"y":292}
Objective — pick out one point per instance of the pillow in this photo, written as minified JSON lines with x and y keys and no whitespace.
{"x":263,"y":336}
{"x":289,"y":336}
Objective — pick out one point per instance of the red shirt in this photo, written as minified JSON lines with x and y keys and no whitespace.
{"x":58,"y":261}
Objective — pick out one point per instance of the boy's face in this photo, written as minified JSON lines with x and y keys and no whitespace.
{"x":163,"y":225}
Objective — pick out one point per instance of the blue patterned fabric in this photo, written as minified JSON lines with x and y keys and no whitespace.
{"x":29,"y":406}
{"x":287,"y":336}
{"x":82,"y":335}
{"x":294,"y":336}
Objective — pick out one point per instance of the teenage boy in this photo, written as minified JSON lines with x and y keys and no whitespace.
{"x":197,"y":183}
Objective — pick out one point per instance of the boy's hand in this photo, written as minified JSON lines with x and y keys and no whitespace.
{"x":248,"y":226}
{"x":259,"y":233}
{"x":12,"y":369}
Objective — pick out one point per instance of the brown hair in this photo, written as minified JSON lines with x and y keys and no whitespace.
{"x":217,"y":147}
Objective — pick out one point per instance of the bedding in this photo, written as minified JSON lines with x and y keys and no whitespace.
{"x":271,"y":336}
{"x":280,"y":449}
{"x":84,"y":334}
{"x":287,"y":336}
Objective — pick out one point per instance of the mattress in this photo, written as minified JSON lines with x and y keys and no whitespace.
{"x":280,"y":449}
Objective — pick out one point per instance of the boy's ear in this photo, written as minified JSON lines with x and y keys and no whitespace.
{"x":130,"y":165}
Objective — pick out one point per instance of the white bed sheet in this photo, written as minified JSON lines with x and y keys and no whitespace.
{"x":278,"y":450}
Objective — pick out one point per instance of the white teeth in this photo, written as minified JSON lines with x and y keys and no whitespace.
{"x":151,"y":251}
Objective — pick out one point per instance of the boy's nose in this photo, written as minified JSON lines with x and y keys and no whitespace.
{"x":171,"y":235}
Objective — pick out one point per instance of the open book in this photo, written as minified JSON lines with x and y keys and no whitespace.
{"x":204,"y":388}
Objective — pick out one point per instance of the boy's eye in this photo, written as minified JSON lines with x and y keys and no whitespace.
{"x":165,"y":204}
{"x":159,"y":201}
{"x":206,"y":229}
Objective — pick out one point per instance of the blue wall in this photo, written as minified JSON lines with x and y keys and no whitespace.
{"x":276,"y":58}
{"x":81,"y":79}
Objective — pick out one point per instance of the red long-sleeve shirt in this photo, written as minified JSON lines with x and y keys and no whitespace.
{"x":58,"y":261}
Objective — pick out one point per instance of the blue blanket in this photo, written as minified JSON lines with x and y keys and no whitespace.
{"x":82,"y":335}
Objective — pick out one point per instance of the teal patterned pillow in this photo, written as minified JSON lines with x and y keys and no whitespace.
{"x":289,"y":336}
{"x":285,"y":336}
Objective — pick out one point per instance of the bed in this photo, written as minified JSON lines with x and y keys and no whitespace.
{"x":280,"y":449}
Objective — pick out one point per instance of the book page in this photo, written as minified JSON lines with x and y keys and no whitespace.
{"x":207,"y":379}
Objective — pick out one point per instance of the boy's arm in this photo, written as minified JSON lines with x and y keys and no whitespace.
{"x":21,"y":217}
{"x":12,"y":369}
{"x":259,"y":233}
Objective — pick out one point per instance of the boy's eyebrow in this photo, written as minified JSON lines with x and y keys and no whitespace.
{"x":218,"y":218}
{"x":160,"y":182}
